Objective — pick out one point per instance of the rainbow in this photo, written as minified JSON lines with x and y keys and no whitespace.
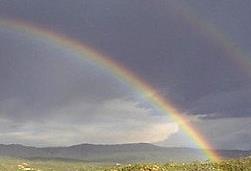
{"x":230,"y":48}
{"x":120,"y":72}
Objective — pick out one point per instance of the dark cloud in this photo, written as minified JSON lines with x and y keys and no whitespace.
{"x":49,"y":92}
{"x":225,"y":104}
{"x":148,"y":37}
{"x":151,"y":38}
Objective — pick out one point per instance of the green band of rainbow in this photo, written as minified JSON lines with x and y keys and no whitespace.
{"x":121,"y":72}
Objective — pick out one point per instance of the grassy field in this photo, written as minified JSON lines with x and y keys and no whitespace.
{"x":7,"y":164}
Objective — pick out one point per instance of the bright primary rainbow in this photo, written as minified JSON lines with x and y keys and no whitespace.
{"x":122,"y":73}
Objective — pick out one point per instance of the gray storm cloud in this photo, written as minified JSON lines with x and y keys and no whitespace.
{"x":40,"y":81}
{"x":56,"y":95}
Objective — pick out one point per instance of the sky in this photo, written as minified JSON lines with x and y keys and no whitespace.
{"x":190,"y":51}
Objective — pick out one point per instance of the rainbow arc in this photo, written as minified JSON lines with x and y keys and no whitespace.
{"x":120,"y":72}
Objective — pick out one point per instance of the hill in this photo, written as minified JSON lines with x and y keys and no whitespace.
{"x":122,"y":153}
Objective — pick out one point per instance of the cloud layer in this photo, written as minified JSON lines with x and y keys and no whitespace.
{"x":47,"y":91}
{"x":113,"y":121}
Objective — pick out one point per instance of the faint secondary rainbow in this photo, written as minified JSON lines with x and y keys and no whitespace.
{"x":230,"y":48}
{"x":120,"y":72}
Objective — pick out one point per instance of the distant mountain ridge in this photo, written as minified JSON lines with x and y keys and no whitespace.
{"x":123,"y":153}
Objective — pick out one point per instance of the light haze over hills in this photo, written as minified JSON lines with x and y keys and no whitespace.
{"x":124,"y":153}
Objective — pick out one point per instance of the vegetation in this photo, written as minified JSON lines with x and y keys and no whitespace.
{"x":7,"y":164}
